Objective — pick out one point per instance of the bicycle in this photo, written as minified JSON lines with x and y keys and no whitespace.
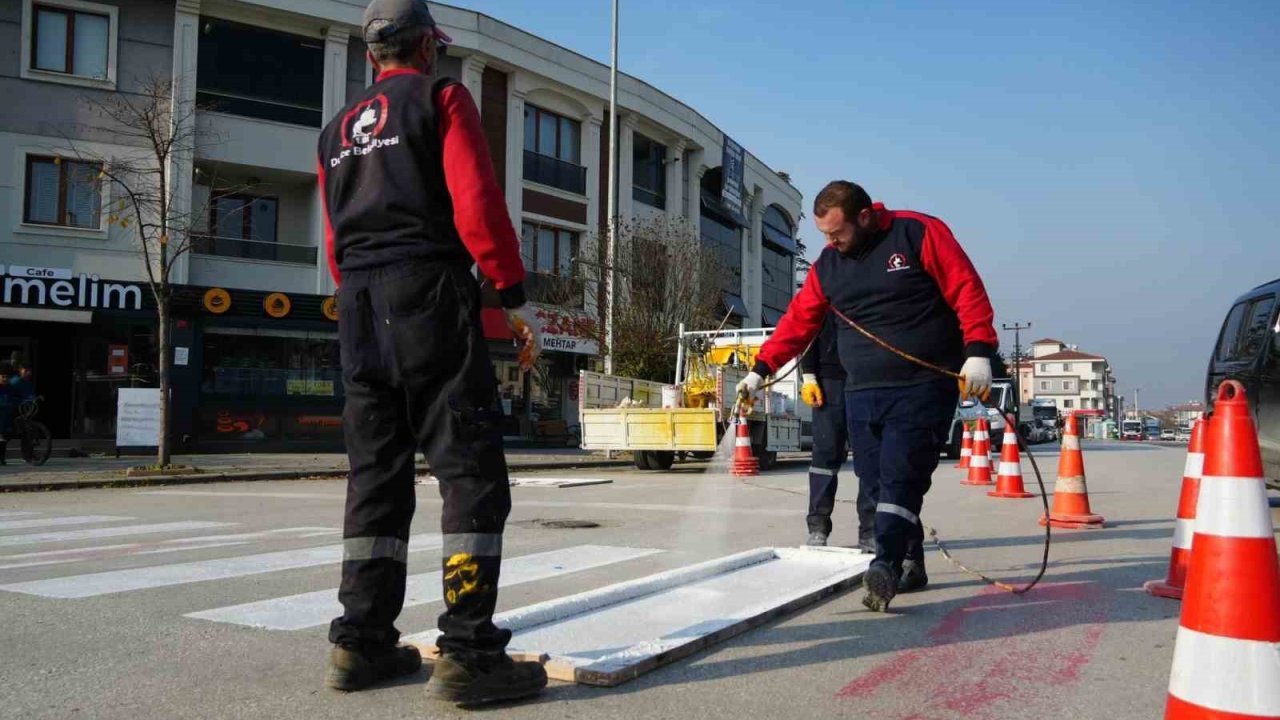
{"x":35,"y":442}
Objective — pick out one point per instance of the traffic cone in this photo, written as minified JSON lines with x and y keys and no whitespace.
{"x":966,"y":449}
{"x":1009,"y":480}
{"x":1070,"y":494}
{"x":1184,"y":529}
{"x":1226,"y":661}
{"x":980,"y":463}
{"x":744,"y":463}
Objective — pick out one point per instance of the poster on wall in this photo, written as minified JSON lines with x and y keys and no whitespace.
{"x":731,"y":165}
{"x":138,"y":417}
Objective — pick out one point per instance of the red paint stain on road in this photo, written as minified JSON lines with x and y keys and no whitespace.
{"x":994,"y":656}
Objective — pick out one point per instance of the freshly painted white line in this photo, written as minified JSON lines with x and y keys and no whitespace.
{"x":233,"y":494}
{"x":116,"y":581}
{"x":689,"y":509}
{"x":15,"y":513}
{"x":56,"y":521}
{"x":37,"y":563}
{"x":118,"y":531}
{"x":296,"y":612}
{"x":301,"y":532}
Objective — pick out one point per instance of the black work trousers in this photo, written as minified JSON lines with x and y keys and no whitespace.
{"x":830,"y":448}
{"x":417,"y":375}
{"x":897,"y":434}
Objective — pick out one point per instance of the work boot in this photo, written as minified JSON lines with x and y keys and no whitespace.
{"x":913,"y":576}
{"x":351,"y":669}
{"x":479,"y":679}
{"x":881,"y":586}
{"x":817,"y":538}
{"x":867,"y":543}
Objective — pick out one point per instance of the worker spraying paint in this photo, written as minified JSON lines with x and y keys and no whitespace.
{"x":901,"y":277}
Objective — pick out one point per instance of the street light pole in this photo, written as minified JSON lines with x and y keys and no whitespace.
{"x":611,"y":248}
{"x":1017,"y":329}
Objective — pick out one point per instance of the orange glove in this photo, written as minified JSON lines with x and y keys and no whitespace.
{"x":522,"y":325}
{"x":811,"y":391}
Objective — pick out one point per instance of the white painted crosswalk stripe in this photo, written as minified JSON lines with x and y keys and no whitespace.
{"x":106,"y":532}
{"x":15,"y":513}
{"x":116,"y":581}
{"x":57,"y":521}
{"x":296,"y":612}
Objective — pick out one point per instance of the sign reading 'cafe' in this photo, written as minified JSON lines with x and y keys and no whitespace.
{"x":58,"y":288}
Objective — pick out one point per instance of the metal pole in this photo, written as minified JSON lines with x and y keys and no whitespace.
{"x":611,"y":248}
{"x":1017,"y":329}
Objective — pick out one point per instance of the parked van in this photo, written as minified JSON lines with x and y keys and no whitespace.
{"x":1248,"y":350}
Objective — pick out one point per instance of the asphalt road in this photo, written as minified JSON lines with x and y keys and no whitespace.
{"x":108,"y":609}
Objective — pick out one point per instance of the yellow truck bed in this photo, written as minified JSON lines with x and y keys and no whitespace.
{"x":690,"y":429}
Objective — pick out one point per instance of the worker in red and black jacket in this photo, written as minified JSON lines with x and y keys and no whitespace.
{"x":903,"y":277}
{"x":411,"y":202}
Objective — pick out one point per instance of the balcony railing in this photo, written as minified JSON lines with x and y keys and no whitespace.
{"x":230,"y":247}
{"x":557,"y":173}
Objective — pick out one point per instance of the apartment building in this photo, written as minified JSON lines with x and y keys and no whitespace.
{"x":1076,"y":381}
{"x":255,"y":360}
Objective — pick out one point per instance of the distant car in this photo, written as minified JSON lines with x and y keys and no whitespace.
{"x":1248,"y":350}
{"x":1182,"y":435}
{"x":1168,"y":435}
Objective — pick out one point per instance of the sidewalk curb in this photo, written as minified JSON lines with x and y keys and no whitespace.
{"x":253,"y":476}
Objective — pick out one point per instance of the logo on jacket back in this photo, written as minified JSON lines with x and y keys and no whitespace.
{"x":898,"y":261}
{"x":361,"y":128}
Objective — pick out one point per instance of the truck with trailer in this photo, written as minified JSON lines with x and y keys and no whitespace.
{"x":660,"y":423}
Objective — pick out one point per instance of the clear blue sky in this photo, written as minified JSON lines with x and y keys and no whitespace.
{"x":1113,"y":171}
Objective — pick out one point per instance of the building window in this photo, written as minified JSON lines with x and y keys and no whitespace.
{"x":1044,"y":368}
{"x":553,"y":150}
{"x":549,"y":255}
{"x":70,"y":42}
{"x":649,"y":172}
{"x":777,"y":279}
{"x":1066,"y":384}
{"x":245,"y":226}
{"x":66,"y":193}
{"x":725,"y":239}
{"x":1068,"y":404}
{"x":230,"y":76}
{"x":1044,"y":385}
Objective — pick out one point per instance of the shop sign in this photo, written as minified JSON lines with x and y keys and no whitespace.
{"x":217,"y":300}
{"x":731,"y":168}
{"x":295,"y":386}
{"x":564,"y":331}
{"x":56,"y":287}
{"x":277,"y":305}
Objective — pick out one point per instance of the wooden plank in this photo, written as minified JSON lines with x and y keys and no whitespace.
{"x":613,"y":634}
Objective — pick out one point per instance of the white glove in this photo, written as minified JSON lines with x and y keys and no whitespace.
{"x":750,"y":384}
{"x":525,"y":327}
{"x":808,"y":379}
{"x":975,"y":378}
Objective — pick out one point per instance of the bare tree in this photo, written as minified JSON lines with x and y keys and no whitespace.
{"x":162,"y":136}
{"x":665,"y":276}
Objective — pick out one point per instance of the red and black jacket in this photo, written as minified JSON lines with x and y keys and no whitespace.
{"x":405,"y":174}
{"x":911,"y":285}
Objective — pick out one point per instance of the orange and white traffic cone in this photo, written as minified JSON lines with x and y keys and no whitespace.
{"x":980,"y":462}
{"x":966,"y":449}
{"x":1070,"y":494}
{"x":1184,"y":529}
{"x":744,"y":463}
{"x":1226,"y":661}
{"x":1009,"y":479}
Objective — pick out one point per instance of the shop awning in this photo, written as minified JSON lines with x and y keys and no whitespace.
{"x":79,"y":317}
{"x":735,"y":305}
{"x":494,"y":322}
{"x":713,"y":205}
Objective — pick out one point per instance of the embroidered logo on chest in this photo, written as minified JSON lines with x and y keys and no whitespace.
{"x":898,"y":261}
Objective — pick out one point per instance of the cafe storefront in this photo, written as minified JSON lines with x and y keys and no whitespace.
{"x":250,"y":369}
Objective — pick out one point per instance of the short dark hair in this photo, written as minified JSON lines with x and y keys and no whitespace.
{"x":849,"y":197}
{"x":400,"y":47}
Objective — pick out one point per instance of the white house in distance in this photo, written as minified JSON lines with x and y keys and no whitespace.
{"x":1076,"y":381}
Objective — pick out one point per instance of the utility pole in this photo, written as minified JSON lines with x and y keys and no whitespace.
{"x":1137,"y":406}
{"x":1017,"y":329}
{"x":611,"y":246}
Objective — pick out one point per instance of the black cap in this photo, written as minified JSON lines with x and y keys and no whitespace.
{"x":384,"y":18}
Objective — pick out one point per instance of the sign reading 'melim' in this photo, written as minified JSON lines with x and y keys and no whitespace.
{"x":57,"y":287}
